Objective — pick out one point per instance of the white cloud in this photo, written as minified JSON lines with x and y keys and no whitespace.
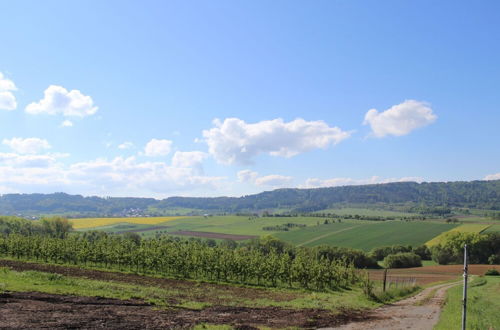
{"x":334,"y":182}
{"x":495,"y":176}
{"x":28,"y":145}
{"x":273,"y":180}
{"x":247,"y":176}
{"x":57,"y":100}
{"x":235,"y":141}
{"x":28,"y":161}
{"x":7,"y":98}
{"x":127,"y":174}
{"x":400,"y":119}
{"x":192,"y":159}
{"x":119,"y":176}
{"x":67,"y":123}
{"x":125,"y":145}
{"x":157,"y":147}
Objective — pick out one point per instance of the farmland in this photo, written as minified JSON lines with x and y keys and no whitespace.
{"x":158,"y":281}
{"x":368,"y":235}
{"x":99,"y":222}
{"x":493,"y":229}
{"x":357,"y":234}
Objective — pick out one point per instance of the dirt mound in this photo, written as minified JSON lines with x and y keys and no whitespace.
{"x":23,"y":310}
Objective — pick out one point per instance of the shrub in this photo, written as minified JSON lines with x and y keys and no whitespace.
{"x":380,"y":253}
{"x":402,"y":260}
{"x":492,"y":272}
{"x":423,"y":251}
{"x":494,"y":259}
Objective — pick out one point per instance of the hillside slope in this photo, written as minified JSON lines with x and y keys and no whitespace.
{"x":418,"y":197}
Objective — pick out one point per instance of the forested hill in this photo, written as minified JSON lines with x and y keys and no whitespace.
{"x":403,"y":195}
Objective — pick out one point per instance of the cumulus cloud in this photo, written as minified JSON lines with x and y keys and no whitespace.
{"x":67,"y":123}
{"x":235,"y":141}
{"x":247,"y":176}
{"x":125,"y":145}
{"x":28,"y":161}
{"x":273,"y":180}
{"x":119,"y":176}
{"x":192,"y":159}
{"x":28,"y":145}
{"x":157,"y":147}
{"x":400,"y":119}
{"x":334,"y":182}
{"x":495,"y":176}
{"x":58,"y":100}
{"x":7,"y":98}
{"x":129,"y":173}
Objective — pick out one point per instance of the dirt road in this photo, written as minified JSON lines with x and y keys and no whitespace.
{"x":418,"y":312}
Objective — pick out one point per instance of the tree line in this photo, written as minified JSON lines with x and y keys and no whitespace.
{"x":434,"y":198}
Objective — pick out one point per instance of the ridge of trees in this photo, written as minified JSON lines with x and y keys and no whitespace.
{"x":435,"y":198}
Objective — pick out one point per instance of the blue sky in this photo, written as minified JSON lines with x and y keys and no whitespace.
{"x":207,"y":98}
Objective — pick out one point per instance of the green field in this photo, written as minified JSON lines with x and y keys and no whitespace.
{"x":358,"y":234}
{"x":367,"y":235}
{"x":482,"y":309}
{"x":238,"y":225}
{"x":493,"y":229}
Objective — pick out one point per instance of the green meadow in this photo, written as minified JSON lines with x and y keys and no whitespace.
{"x":493,"y":229}
{"x":367,"y":235}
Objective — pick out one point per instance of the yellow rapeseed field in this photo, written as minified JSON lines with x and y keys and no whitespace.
{"x":468,"y":228}
{"x":99,"y":222}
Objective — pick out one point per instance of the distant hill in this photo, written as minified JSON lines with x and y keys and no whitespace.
{"x":410,"y":196}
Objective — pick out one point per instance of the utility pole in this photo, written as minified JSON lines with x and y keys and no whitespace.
{"x":464,"y":310}
{"x":385,"y":277}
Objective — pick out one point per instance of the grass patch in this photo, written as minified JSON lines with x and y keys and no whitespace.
{"x":482,"y":307}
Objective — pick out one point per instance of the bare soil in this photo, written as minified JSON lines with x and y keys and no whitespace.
{"x":33,"y":310}
{"x":430,"y":274}
{"x":205,"y":234}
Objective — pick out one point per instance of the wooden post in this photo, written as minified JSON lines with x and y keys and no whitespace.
{"x":464,"y":301}
{"x":385,"y":277}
